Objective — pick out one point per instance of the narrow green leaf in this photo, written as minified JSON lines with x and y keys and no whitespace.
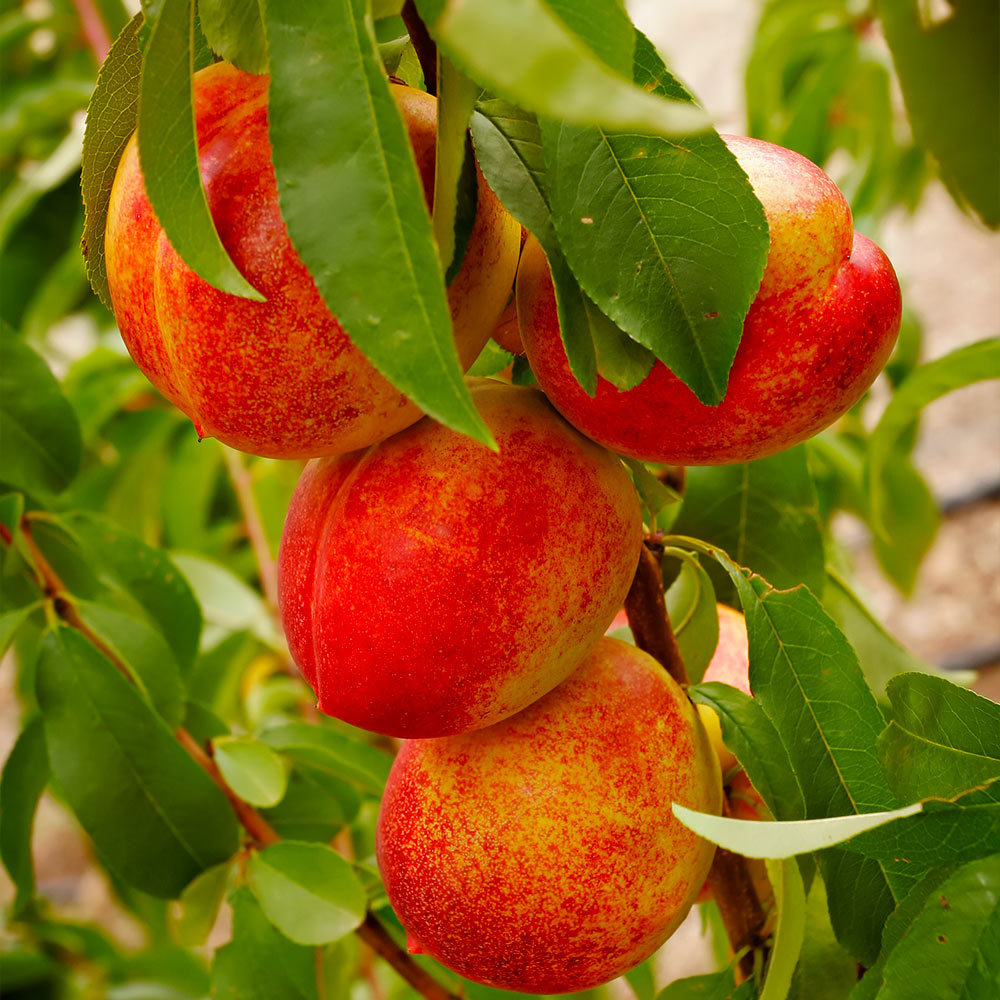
{"x":763,"y":513}
{"x":234,"y":30}
{"x":711,"y":986}
{"x":41,"y":438}
{"x":111,"y":120}
{"x":492,"y":359}
{"x":11,"y":511}
{"x":789,"y":932}
{"x":315,"y":806}
{"x":193,"y":916}
{"x":654,"y":494}
{"x":751,"y":736}
{"x":784,"y":839}
{"x":308,"y":891}
{"x":168,"y":150}
{"x":964,"y":366}
{"x":11,"y":622}
{"x":691,"y":237}
{"x":456,"y":98}
{"x":694,"y":616}
{"x":825,"y":970}
{"x":952,"y":949}
{"x":621,"y":360}
{"x":252,"y":769}
{"x":534,"y":60}
{"x":949,"y":72}
{"x":605,"y":28}
{"x":259,"y":963}
{"x":25,"y":775}
{"x":341,"y":153}
{"x":130,"y":783}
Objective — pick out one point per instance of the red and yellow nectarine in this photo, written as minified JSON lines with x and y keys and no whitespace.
{"x":541,"y":854}
{"x":278,"y":378}
{"x":820,"y":329}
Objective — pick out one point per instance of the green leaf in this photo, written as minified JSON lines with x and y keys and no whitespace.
{"x":98,"y":386}
{"x":252,"y":769}
{"x":604,"y":26}
{"x":25,"y":775}
{"x":751,"y":736}
{"x":129,"y":782}
{"x":492,"y":359}
{"x":961,"y":367}
{"x":315,"y":807}
{"x":145,"y":653}
{"x":763,"y":513}
{"x":259,"y":963}
{"x":193,"y":915}
{"x":508,"y":145}
{"x":11,"y":511}
{"x":189,"y":489}
{"x":227,"y":602}
{"x":235,"y":31}
{"x":620,"y":359}
{"x":880,"y":655}
{"x":711,"y":986}
{"x":338,"y":753}
{"x":145,"y":575}
{"x":825,"y":971}
{"x":339,"y":149}
{"x":691,"y":237}
{"x":11,"y":622}
{"x":41,"y":438}
{"x":654,"y":494}
{"x":908,"y":534}
{"x":694,"y":616}
{"x":952,"y":949}
{"x":308,"y":891}
{"x":940,"y":835}
{"x":942,"y":740}
{"x":949,"y":72}
{"x":535,"y":61}
{"x":168,"y":150}
{"x":789,"y":931}
{"x":111,"y":120}
{"x":783,"y":839}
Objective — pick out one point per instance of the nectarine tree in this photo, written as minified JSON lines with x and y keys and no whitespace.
{"x":306,"y":628}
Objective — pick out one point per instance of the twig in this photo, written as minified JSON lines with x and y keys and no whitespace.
{"x":261,"y":832}
{"x":93,"y":29}
{"x":423,"y":44}
{"x":378,"y":939}
{"x":646,"y":610}
{"x":728,"y":878}
{"x":242,"y":480}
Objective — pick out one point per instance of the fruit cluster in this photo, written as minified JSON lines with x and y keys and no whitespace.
{"x":434,"y":590}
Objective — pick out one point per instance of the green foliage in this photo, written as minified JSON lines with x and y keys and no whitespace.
{"x":132,"y":603}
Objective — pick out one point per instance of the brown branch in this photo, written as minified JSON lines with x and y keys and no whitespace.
{"x":728,"y":878}
{"x":261,"y":832}
{"x":424,"y":45}
{"x":93,"y":29}
{"x":242,"y":480}
{"x":646,"y":609}
{"x":379,"y":940}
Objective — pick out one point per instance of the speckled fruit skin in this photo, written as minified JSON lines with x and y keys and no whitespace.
{"x":541,"y":855}
{"x":278,"y":378}
{"x":819,"y":331}
{"x":429,"y":586}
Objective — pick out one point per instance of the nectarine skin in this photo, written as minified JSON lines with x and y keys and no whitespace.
{"x":277,"y":378}
{"x":541,"y":854}
{"x":819,"y":331}
{"x":429,"y":586}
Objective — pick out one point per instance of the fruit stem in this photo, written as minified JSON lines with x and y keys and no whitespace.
{"x":423,"y":44}
{"x":646,"y":609}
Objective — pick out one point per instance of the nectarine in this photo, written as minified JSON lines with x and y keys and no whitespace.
{"x":820,"y":329}
{"x":429,"y":586}
{"x":541,"y":854}
{"x":279,"y":378}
